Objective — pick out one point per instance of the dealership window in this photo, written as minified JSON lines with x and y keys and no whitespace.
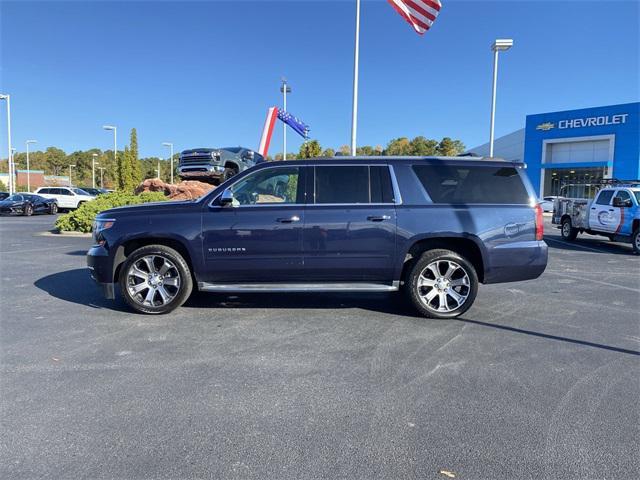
{"x":472,"y":184}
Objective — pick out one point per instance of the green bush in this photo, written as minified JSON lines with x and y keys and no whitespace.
{"x":81,"y":219}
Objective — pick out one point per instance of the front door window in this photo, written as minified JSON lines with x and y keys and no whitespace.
{"x":269,"y":186}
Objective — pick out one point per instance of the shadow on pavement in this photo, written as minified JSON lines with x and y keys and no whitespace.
{"x":589,"y":244}
{"x":392,"y":303}
{"x":76,"y":286}
{"x":552,"y":337}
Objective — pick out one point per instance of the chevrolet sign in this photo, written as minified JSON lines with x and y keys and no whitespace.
{"x":594,"y":121}
{"x":546,"y":126}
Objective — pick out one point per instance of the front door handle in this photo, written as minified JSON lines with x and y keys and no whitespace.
{"x":293,"y":219}
{"x":378,"y":218}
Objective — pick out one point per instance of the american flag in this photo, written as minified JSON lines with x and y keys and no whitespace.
{"x":419,"y":13}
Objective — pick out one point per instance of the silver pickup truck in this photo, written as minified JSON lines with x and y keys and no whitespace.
{"x":614,"y":213}
{"x":215,"y":165}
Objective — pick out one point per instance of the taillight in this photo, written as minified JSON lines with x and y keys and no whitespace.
{"x":539,"y":223}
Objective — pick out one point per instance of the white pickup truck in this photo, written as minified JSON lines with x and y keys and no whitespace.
{"x":614,"y":213}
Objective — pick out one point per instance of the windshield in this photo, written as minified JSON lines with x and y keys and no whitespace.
{"x":79,"y":191}
{"x":637,"y":194}
{"x":15,"y":198}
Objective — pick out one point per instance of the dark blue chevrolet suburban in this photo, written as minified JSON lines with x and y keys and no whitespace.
{"x":434,"y":227}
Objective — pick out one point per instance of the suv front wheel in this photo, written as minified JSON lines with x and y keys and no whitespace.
{"x":442,"y":284}
{"x":155,"y":279}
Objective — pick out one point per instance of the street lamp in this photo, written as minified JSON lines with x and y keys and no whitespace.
{"x":29,"y":142}
{"x":70,"y":167}
{"x":115,"y":142}
{"x":13,"y":163}
{"x":284,"y":88}
{"x":170,"y":145}
{"x":8,"y":99}
{"x":500,"y":45}
{"x":101,"y":171}
{"x":93,"y":170}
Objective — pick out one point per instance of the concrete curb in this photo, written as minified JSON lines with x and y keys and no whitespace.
{"x":54,"y":233}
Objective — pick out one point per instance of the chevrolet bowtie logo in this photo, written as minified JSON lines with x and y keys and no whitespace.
{"x":546,"y":126}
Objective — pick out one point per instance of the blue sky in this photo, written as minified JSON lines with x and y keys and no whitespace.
{"x":204,"y":73}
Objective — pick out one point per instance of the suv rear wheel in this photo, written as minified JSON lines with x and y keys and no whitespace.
{"x":442,"y":284}
{"x":155,"y":279}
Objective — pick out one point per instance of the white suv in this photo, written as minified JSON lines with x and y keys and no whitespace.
{"x":67,"y":197}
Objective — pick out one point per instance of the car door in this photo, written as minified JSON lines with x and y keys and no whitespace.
{"x":350,"y":224}
{"x":602,"y":217}
{"x":257,"y":238}
{"x":623,"y":211}
{"x":38,"y":203}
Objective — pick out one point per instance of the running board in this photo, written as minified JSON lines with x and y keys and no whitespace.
{"x":297,"y":287}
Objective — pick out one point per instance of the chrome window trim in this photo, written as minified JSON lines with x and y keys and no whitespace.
{"x":397,"y":196}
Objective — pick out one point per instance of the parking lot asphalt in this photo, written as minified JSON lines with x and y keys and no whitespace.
{"x":539,"y":379}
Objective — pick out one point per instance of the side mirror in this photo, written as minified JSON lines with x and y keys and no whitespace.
{"x":618,"y":202}
{"x":226,"y":198}
{"x":248,"y":155}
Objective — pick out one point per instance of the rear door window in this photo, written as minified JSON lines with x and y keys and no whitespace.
{"x":353,"y":184}
{"x":605,"y":197}
{"x":43,"y":191}
{"x":472,"y":184}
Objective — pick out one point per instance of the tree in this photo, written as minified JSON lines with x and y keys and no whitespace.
{"x":56,"y":161}
{"x":345,"y":150}
{"x":329,"y":152}
{"x":450,"y":148}
{"x":365,"y":150}
{"x":310,"y":149}
{"x":422,"y":146}
{"x":3,"y":187}
{"x":125,"y":177}
{"x":398,"y":146}
{"x":136,"y":171}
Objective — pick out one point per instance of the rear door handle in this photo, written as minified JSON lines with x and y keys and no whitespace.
{"x":293,"y":219}
{"x":593,"y":208}
{"x":378,"y":218}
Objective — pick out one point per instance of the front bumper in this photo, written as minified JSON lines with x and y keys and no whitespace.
{"x":101,"y":268}
{"x":204,"y":170}
{"x":12,"y":210}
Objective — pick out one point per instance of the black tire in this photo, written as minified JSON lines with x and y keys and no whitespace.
{"x":53,"y":209}
{"x":178,"y":291}
{"x":28,"y":210}
{"x":421,"y":272}
{"x":567,"y":231}
{"x":228,"y":173}
{"x":80,"y":204}
{"x":635,"y":241}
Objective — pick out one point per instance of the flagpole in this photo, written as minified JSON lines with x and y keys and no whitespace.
{"x":354,"y":110}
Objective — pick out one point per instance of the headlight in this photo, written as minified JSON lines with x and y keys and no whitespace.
{"x":99,"y":226}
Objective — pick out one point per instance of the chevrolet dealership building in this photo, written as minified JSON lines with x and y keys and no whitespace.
{"x":575,"y":148}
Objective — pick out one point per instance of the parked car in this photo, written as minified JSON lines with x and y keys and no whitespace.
{"x":547,"y":203}
{"x":614,"y":213}
{"x":432,"y":227}
{"x":4,"y":195}
{"x":94,"y":192}
{"x":215,"y":165}
{"x":27,"y":204}
{"x":66,"y":197}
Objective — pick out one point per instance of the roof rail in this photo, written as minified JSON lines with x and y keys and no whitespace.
{"x":619,"y":182}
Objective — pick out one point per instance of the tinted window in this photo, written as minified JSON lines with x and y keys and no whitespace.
{"x":471,"y":184}
{"x":337,"y":184}
{"x":79,"y":191}
{"x":381,"y":188}
{"x":15,"y":198}
{"x":605,"y":197}
{"x":44,"y":191}
{"x":268,"y":186}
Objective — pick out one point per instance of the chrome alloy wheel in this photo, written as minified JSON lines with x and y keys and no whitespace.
{"x":443,"y":286}
{"x":566,"y":229}
{"x":153,"y":281}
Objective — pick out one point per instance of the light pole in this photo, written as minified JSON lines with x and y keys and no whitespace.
{"x":101,"y":182}
{"x":284,"y":88}
{"x":115,"y":144}
{"x":8,"y":99}
{"x":356,"y":60}
{"x":170,"y":145}
{"x":500,"y":45}
{"x":158,"y":168}
{"x":13,"y":163}
{"x":93,"y":169}
{"x":29,"y":142}
{"x":70,"y":167}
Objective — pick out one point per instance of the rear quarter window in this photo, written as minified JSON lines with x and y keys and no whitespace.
{"x":472,"y":184}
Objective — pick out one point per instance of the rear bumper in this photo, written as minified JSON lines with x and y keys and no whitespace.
{"x":101,"y":268}
{"x":514,"y":262}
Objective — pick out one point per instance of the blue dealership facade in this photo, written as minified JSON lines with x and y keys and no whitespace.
{"x":567,"y":151}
